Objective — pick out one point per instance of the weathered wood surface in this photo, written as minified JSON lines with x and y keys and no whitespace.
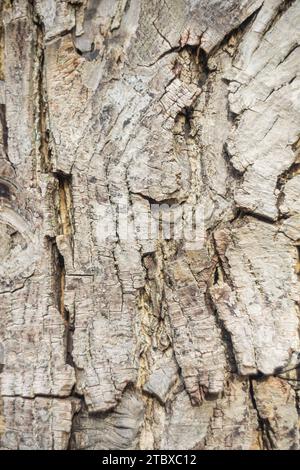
{"x":122,"y":342}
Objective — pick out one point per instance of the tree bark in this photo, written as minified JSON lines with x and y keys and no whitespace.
{"x":117,"y":116}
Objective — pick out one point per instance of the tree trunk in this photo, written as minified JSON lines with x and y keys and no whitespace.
{"x":150,"y":224}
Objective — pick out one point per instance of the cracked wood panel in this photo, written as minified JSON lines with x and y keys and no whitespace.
{"x":113,"y":342}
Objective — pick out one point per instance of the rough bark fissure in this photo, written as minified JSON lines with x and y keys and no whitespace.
{"x":144,"y":112}
{"x":264,"y":426}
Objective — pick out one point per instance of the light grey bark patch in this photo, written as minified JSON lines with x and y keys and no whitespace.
{"x":196,"y":338}
{"x":161,"y":380}
{"x":186,"y":425}
{"x":2,"y":357}
{"x":118,"y":430}
{"x":265,"y":80}
{"x":52,"y":418}
{"x":256,"y":296}
{"x":234,"y":424}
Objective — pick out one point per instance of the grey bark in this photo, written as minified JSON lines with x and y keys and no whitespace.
{"x":142,"y":342}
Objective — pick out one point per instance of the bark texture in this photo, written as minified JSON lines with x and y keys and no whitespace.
{"x":115,"y":343}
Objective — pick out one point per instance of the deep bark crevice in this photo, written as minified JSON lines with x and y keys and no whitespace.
{"x":265,"y":428}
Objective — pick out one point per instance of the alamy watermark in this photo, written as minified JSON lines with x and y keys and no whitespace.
{"x":151,"y":223}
